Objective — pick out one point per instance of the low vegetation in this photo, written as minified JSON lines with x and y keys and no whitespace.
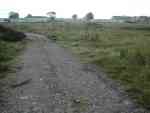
{"x":10,"y":44}
{"x":122,"y":50}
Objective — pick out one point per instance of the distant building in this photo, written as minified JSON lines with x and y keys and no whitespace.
{"x":121,"y":18}
{"x":143,"y":19}
{"x":103,"y":20}
{"x":36,"y":19}
{"x":129,"y":19}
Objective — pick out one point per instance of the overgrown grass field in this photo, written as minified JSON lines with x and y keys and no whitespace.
{"x":121,"y":50}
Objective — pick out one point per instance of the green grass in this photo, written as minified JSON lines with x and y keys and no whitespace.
{"x":10,"y":46}
{"x":122,"y":50}
{"x":8,"y":51}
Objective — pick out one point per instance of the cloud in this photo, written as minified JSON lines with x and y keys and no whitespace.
{"x":65,"y":8}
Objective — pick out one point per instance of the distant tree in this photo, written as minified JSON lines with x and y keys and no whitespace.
{"x":52,"y":15}
{"x":89,"y":16}
{"x":29,"y":16}
{"x":13,"y":15}
{"x":74,"y":16}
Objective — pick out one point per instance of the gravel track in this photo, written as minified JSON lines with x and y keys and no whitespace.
{"x":59,"y":83}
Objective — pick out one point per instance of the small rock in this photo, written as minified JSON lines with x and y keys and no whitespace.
{"x":76,"y":101}
{"x":34,"y":103}
{"x":24,"y":97}
{"x":41,"y":79}
{"x":127,"y":102}
{"x":47,"y":87}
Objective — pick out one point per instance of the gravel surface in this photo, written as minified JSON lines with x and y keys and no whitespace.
{"x":58,"y":83}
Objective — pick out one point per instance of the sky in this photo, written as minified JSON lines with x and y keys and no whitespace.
{"x":102,"y":9}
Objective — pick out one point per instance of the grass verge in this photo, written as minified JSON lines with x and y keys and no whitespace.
{"x":11,"y":43}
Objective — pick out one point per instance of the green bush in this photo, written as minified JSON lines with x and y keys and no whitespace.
{"x":8,"y":34}
{"x":9,"y":46}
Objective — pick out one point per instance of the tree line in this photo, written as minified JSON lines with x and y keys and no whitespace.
{"x":51,"y":15}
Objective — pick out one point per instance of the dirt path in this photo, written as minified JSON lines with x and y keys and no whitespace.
{"x":58,"y":83}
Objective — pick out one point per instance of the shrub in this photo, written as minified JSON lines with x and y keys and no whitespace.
{"x":8,"y":34}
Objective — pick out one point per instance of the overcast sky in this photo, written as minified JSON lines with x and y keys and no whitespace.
{"x":65,"y":8}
